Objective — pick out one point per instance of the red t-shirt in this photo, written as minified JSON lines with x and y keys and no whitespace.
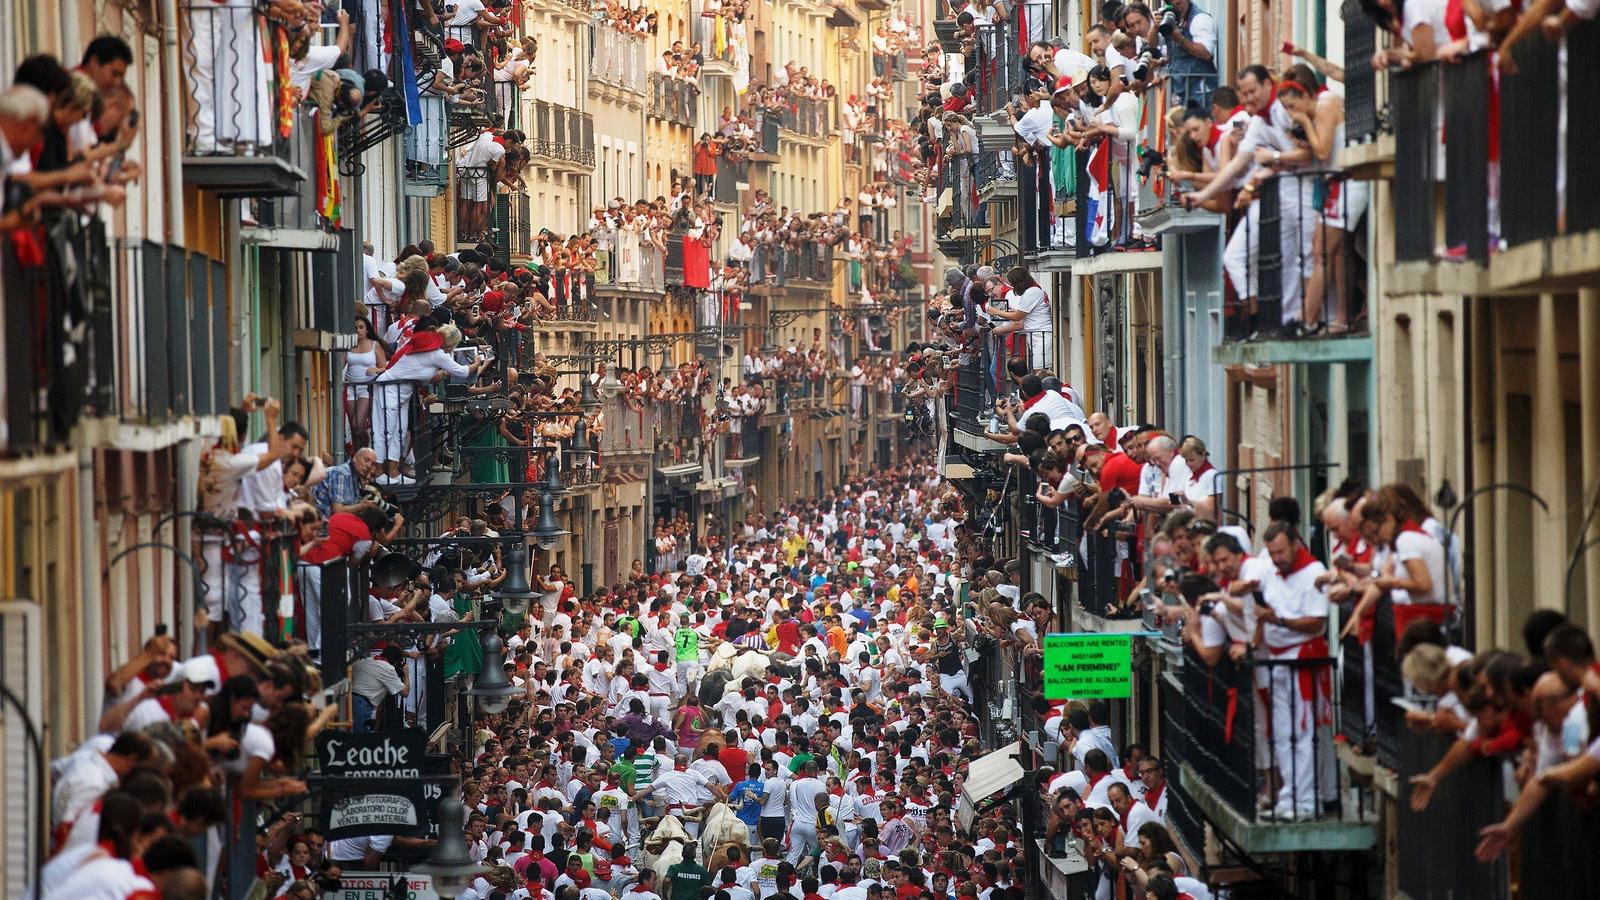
{"x":1120,"y":471}
{"x":736,"y":761}
{"x":345,"y":530}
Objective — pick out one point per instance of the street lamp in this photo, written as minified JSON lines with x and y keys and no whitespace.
{"x":586,"y":397}
{"x":610,"y":387}
{"x":515,"y":594}
{"x":450,"y":865}
{"x":548,"y":531}
{"x":492,"y":688}
{"x":551,"y":485}
{"x":580,"y":434}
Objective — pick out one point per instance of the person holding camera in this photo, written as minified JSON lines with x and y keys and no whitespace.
{"x":1189,"y":34}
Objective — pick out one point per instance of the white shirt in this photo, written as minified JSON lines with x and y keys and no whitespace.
{"x":1409,"y":545}
{"x":803,"y":793}
{"x":1036,"y":304}
{"x":88,"y":779}
{"x":1293,"y":596}
{"x":777,"y":790}
{"x":1035,"y":124}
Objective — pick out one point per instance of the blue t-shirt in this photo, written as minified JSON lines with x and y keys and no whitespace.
{"x":620,"y":744}
{"x":746,"y":796}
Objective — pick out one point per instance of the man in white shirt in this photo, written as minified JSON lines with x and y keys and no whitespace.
{"x":1294,"y":625}
{"x":803,"y":793}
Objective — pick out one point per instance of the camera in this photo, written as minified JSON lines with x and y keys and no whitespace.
{"x":1166,"y":20}
{"x":1142,"y":63}
{"x":1149,"y":158}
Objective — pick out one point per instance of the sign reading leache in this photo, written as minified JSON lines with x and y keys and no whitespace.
{"x":374,"y":782}
{"x":1088,"y":666}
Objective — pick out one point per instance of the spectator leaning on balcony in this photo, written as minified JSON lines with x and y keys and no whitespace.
{"x":1266,"y":145}
{"x":1190,"y":36}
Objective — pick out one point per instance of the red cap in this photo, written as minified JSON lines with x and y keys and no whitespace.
{"x":453,"y":45}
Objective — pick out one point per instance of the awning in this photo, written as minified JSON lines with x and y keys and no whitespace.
{"x":679,"y":471}
{"x":988,"y":775}
{"x":740,"y":463}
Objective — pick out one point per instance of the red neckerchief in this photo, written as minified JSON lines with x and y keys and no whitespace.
{"x":421,"y":342}
{"x":1028,"y":404}
{"x":1411,"y":526}
{"x":166,"y":704}
{"x":222,"y":668}
{"x":1235,"y":111}
{"x":1092,"y":782}
{"x":1272,"y":97}
{"x":1153,"y":797}
{"x":1302,"y":559}
{"x":1216,"y":136}
{"x":1204,"y":468}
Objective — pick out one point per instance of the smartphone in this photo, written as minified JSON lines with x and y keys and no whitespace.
{"x":1260,"y":599}
{"x":1175,"y":499}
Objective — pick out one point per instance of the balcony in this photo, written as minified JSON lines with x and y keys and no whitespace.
{"x":673,"y":100}
{"x":1209,"y":720}
{"x":619,"y":66}
{"x":427,"y":158}
{"x":807,"y":118}
{"x":477,"y":206}
{"x":561,"y":136}
{"x":1298,"y":274}
{"x":629,"y":266}
{"x":629,"y":430}
{"x":999,"y":68}
{"x":1455,"y":237}
{"x":573,"y":294}
{"x":808,"y":267}
{"x":948,"y":34}
{"x":962,"y":220}
{"x":732,"y":177}
{"x":715,"y":34}
{"x":232,"y":135}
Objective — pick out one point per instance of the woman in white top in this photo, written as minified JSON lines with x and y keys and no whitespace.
{"x":1321,"y":115}
{"x":368,"y":354}
{"x":1407,"y":562}
{"x":1118,"y":120}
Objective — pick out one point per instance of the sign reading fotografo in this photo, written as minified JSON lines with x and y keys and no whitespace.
{"x":373,"y":782}
{"x":1088,"y":666}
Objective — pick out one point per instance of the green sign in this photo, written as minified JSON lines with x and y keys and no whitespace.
{"x":1088,"y":666}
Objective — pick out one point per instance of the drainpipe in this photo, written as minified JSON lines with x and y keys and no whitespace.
{"x":175,"y":119}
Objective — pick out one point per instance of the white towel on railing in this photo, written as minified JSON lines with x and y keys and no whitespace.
{"x":627,"y":257}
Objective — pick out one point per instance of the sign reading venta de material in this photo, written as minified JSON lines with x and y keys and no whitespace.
{"x":385,"y":790}
{"x":1088,"y":666}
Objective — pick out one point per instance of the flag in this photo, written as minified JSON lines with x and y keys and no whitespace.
{"x":1098,"y":217}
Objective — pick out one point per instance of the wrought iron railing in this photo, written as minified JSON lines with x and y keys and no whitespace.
{"x":619,"y":60}
{"x":1360,"y":81}
{"x":673,"y":99}
{"x":561,"y":133}
{"x":807,"y":116}
{"x":233,"y":104}
{"x":1291,"y":281}
{"x":627,"y":260}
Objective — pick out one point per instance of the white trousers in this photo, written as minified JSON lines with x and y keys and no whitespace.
{"x":802,"y":841}
{"x":391,"y":420}
{"x":956,"y":684}
{"x":309,"y":578}
{"x":1294,"y":743}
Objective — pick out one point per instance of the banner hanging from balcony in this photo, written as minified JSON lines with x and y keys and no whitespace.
{"x":1088,"y":666}
{"x":696,"y":264}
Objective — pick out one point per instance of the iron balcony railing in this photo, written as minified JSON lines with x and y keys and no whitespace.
{"x":999,"y":67}
{"x":561,"y":133}
{"x":1445,"y":132}
{"x":477,"y":209}
{"x":618,"y":60}
{"x":1360,"y":81}
{"x":730,"y":174}
{"x":673,"y":99}
{"x":233,"y":105}
{"x":627,"y":260}
{"x":1294,"y":263}
{"x":1281,"y":707}
{"x":807,"y":116}
{"x":776,"y":265}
